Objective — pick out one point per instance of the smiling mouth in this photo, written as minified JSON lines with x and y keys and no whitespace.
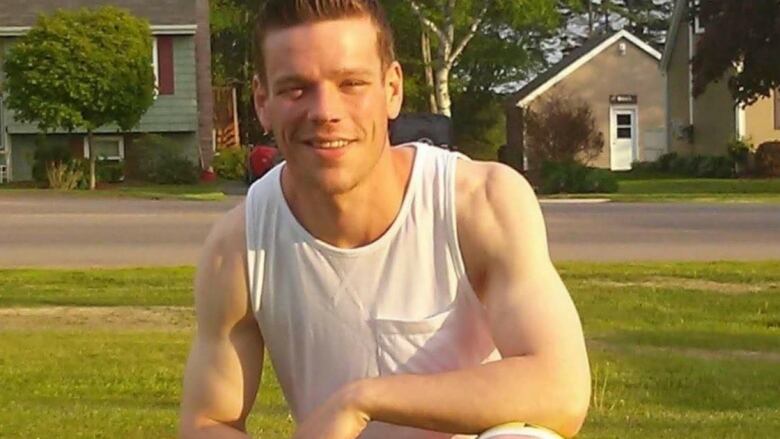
{"x":329,"y":144}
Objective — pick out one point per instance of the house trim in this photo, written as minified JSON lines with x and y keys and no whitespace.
{"x":160,"y":29}
{"x":741,"y":115}
{"x":671,"y":35}
{"x":541,"y":89}
{"x":776,"y":106}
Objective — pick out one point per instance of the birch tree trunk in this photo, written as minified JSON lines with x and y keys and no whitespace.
{"x":449,"y":48}
{"x":425,"y":43}
{"x":590,"y":18}
{"x":442,"y":90}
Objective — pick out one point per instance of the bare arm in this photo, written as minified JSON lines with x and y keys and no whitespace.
{"x":223,"y":370}
{"x":544,"y":377}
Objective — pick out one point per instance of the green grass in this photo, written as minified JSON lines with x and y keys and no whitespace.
{"x":140,"y":287}
{"x":677,"y":350}
{"x":193,"y":192}
{"x":664,"y":188}
{"x":700,"y":186}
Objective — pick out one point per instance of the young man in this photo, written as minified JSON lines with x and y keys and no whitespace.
{"x":401,"y":292}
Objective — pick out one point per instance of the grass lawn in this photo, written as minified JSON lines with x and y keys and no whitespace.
{"x":677,"y":350}
{"x":670,"y":189}
{"x":195,"y":192}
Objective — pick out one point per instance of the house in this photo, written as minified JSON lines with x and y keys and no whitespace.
{"x":182,"y":77}
{"x":706,"y":124}
{"x":617,"y":74}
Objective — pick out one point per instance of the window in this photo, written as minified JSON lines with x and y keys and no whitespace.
{"x":162,"y":63}
{"x":624,"y":125}
{"x":106,"y":147}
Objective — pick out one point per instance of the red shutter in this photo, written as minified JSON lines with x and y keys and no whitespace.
{"x":165,"y":64}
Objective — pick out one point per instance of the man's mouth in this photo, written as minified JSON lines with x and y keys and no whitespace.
{"x":328,"y":144}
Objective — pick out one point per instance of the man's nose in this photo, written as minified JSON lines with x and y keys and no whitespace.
{"x":325,"y":104}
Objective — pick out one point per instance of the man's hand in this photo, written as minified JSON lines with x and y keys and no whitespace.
{"x":337,"y":418}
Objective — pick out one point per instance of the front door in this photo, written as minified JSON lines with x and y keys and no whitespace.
{"x":623,"y":138}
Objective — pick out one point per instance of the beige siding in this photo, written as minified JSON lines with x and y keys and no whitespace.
{"x":610,"y":73}
{"x":760,"y":121}
{"x":678,"y":93}
{"x":714,"y":116}
{"x":714,"y":120}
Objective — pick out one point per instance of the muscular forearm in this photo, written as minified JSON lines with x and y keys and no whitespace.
{"x":471,"y":401}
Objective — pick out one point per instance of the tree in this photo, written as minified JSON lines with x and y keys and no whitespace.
{"x":562,"y":129}
{"x":740,"y":41}
{"x":232,"y":42}
{"x":82,"y":69}
{"x":453,"y":24}
{"x":647,"y":19}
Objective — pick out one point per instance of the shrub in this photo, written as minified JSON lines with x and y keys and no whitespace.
{"x":665,"y":161}
{"x":768,"y":159}
{"x":645,"y":167}
{"x":715,"y":167}
{"x":739,"y":151}
{"x":562,"y":130}
{"x":600,"y":181}
{"x":573,"y":177}
{"x":162,"y":161}
{"x":47,"y":153}
{"x":176,"y":170}
{"x":64,"y":175}
{"x":110,"y":171}
{"x":230,"y":163}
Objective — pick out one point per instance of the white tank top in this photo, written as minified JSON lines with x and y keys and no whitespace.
{"x":402,"y":304}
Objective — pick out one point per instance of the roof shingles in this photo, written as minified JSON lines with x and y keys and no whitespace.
{"x":21,"y":13}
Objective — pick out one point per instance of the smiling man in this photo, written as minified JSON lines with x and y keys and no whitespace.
{"x":400,"y":291}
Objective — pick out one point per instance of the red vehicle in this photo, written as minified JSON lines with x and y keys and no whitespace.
{"x":261,"y":159}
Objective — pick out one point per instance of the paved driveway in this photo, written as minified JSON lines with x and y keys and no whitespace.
{"x":49,"y":230}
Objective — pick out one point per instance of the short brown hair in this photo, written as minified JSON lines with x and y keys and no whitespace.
{"x":283,"y":14}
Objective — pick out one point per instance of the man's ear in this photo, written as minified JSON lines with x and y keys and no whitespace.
{"x":260,"y":96}
{"x":394,"y":89}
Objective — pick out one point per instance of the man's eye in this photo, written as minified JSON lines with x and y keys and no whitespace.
{"x":353,"y":83}
{"x":291,"y":92}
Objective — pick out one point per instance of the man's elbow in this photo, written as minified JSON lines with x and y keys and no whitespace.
{"x":573,"y":410}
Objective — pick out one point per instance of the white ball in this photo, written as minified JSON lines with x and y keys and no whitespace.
{"x":518,"y":431}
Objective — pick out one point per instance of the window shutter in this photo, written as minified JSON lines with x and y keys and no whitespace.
{"x":165,"y":72}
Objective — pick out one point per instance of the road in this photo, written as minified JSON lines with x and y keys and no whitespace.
{"x":55,"y":231}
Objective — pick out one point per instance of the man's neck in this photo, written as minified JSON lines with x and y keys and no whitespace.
{"x":363,"y":214}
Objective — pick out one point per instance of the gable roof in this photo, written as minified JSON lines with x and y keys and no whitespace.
{"x":21,"y":14}
{"x":574,"y":60}
{"x":671,"y":35}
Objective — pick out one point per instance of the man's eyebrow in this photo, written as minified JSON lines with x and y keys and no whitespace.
{"x":290,"y":79}
{"x":353,"y":72}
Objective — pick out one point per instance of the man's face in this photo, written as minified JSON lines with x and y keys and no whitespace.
{"x":327,"y":100}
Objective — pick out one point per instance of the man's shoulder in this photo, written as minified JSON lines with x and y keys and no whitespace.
{"x":228,"y":234}
{"x":490,"y":185}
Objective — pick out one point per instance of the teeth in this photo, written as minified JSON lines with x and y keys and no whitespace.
{"x":332,"y":145}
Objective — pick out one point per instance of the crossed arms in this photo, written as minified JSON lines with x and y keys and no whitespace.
{"x":542,"y":379}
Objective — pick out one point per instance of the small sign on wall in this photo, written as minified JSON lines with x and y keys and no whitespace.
{"x":623,"y":99}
